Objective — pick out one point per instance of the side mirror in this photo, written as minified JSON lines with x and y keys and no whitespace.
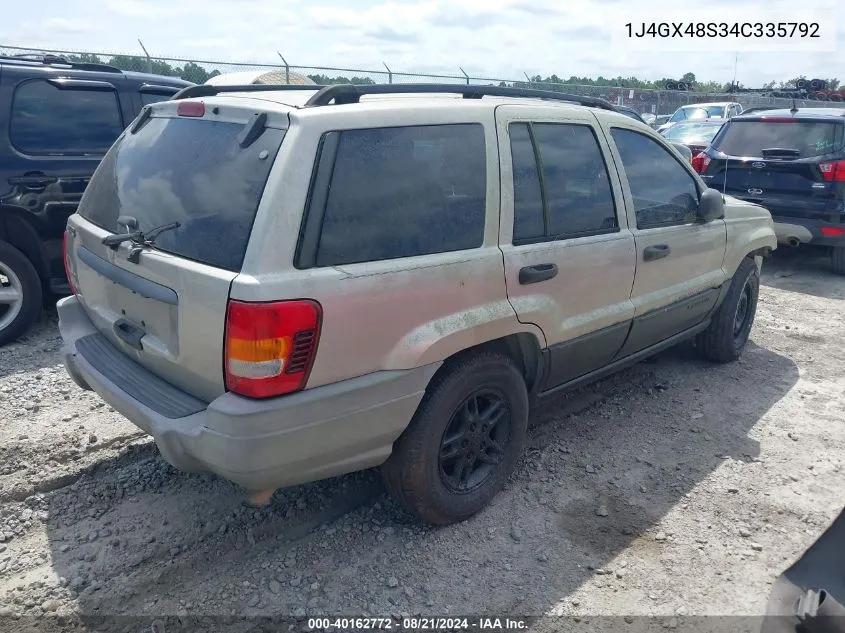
{"x":711,"y":206}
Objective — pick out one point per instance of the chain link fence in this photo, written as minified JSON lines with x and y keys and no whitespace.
{"x":644,"y":101}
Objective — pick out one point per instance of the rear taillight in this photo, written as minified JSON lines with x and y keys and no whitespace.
{"x":832,"y":231}
{"x":270,"y":347}
{"x":66,"y":257}
{"x":700,"y":162}
{"x":833,"y":171}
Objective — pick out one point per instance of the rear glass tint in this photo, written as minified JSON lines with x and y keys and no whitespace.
{"x":47,"y":120}
{"x":405,"y":191}
{"x":750,"y":138}
{"x":187,"y":171}
{"x":692,"y":132}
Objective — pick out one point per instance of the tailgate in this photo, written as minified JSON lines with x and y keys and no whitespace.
{"x":776,"y":163}
{"x":165,"y":307}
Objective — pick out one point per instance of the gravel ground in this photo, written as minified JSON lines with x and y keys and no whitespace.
{"x":676,"y":487}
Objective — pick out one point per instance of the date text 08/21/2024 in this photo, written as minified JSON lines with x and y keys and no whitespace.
{"x":775,"y":30}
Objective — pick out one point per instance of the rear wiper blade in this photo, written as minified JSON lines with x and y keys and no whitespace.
{"x":152,"y":234}
{"x":139,"y":239}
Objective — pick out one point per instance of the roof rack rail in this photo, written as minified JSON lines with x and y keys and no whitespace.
{"x":349,"y":93}
{"x":205,"y":90}
{"x":49,"y":60}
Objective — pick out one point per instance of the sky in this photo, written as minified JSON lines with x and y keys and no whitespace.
{"x":488,"y":38}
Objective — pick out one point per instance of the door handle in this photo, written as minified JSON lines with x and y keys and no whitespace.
{"x":534,"y":274}
{"x":33,"y":181}
{"x":658,"y":251}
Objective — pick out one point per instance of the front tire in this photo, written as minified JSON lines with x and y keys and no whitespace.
{"x":728,"y":332}
{"x":20,"y":293}
{"x":463,"y":441}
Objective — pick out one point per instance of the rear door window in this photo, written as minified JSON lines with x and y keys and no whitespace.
{"x":528,"y":205}
{"x":49,"y":120}
{"x":576,"y":182}
{"x":561,"y":184}
{"x":404,"y":191}
{"x":750,"y":138}
{"x":188,"y":171}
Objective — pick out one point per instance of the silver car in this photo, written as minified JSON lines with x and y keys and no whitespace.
{"x":282,"y":285}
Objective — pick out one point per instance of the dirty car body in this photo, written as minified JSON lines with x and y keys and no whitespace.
{"x":315,"y":312}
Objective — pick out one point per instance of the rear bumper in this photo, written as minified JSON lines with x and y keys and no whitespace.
{"x":797,"y":231}
{"x":259,"y":444}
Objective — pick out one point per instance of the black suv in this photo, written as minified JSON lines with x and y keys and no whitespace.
{"x":793,"y":163}
{"x":59,"y":118}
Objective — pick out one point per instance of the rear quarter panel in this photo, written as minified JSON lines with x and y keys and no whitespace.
{"x":393,"y":314}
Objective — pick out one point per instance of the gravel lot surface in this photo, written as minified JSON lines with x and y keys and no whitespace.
{"x":675,"y":487}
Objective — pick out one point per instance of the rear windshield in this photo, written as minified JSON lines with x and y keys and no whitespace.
{"x":692,"y":132}
{"x":188,"y":171}
{"x":750,"y":138}
{"x":693,"y":113}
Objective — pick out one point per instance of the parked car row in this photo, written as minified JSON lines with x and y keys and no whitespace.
{"x":700,"y":111}
{"x":790,"y":161}
{"x":61,"y":119}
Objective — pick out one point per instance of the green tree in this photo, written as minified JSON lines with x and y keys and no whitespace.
{"x":84,"y":58}
{"x":193,"y":72}
{"x":688,"y":78}
{"x":709,"y":87}
{"x":325,"y":80}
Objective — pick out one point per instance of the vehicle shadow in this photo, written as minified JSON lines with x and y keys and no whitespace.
{"x":802,"y":270}
{"x":38,"y":348}
{"x":602,"y":466}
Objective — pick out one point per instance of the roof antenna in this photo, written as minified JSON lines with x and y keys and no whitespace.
{"x":794,"y":107}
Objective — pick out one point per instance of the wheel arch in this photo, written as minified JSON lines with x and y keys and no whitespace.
{"x":18,"y":230}
{"x":757,"y":242}
{"x":523,"y":348}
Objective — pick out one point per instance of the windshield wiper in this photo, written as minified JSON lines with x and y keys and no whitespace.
{"x":140,"y":239}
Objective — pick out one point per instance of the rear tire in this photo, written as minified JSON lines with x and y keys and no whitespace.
{"x":726,"y":336}
{"x":463,"y":441}
{"x":20,"y":293}
{"x":837,"y":260}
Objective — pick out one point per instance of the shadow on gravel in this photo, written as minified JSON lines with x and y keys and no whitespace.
{"x":601,"y":467}
{"x":804,"y":270}
{"x":37,"y":349}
